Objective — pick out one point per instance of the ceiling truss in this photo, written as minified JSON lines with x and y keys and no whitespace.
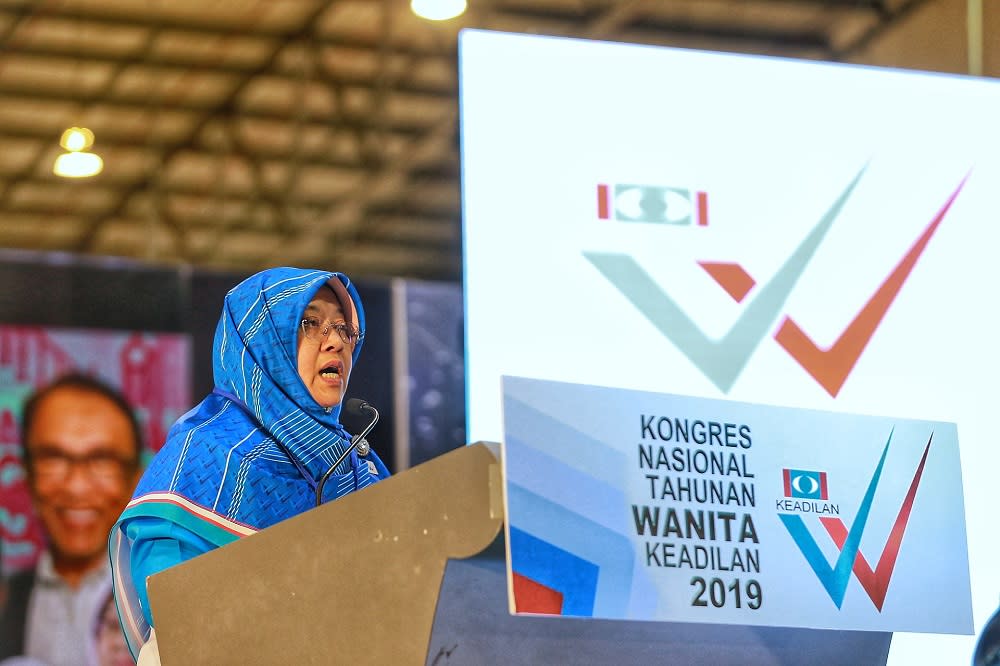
{"x":301,"y":132}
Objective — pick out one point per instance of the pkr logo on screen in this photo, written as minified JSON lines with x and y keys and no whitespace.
{"x":723,"y":360}
{"x":652,"y":203}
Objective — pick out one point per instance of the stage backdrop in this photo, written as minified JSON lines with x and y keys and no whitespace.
{"x":429,"y":370}
{"x":771,"y":231}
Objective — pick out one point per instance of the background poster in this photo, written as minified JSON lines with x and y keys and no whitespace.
{"x":150,"y":369}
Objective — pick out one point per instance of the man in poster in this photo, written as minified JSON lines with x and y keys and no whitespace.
{"x":81,"y":448}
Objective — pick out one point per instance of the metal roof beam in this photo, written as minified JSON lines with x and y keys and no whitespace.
{"x":166,"y":64}
{"x":889,"y":18}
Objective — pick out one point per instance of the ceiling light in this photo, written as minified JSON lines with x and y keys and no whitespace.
{"x":77,"y":163}
{"x":76,"y":139}
{"x":437,"y":10}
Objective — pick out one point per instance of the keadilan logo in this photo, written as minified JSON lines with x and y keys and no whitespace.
{"x":656,"y":204}
{"x":803,"y":484}
{"x":723,"y":360}
{"x":806,"y":494}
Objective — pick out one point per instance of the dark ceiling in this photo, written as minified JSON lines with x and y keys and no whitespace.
{"x":242,"y":134}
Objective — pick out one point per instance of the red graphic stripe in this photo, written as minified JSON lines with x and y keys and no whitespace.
{"x":876,"y":583}
{"x":731,"y":277}
{"x":823,"y":493}
{"x":530,"y":596}
{"x":702,"y":209}
{"x":788,"y":482}
{"x":830,"y":367}
{"x":602,"y":202}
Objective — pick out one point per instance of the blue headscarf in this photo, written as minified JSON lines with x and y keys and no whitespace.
{"x":251,"y":453}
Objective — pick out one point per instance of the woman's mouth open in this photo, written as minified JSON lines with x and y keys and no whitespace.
{"x":332,"y":373}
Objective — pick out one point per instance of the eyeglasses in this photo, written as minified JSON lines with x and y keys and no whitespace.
{"x":318,"y":332}
{"x":54,"y":466}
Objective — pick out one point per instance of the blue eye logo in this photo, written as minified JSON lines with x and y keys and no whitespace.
{"x":805,"y":484}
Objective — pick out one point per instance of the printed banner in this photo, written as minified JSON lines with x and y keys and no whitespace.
{"x":636,"y":505}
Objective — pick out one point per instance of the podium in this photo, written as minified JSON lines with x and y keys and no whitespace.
{"x":381,"y":577}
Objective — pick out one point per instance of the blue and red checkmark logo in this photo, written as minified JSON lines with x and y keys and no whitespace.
{"x":835,"y":577}
{"x":723,"y":360}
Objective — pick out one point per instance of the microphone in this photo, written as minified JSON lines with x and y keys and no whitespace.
{"x":357,"y":407}
{"x":354,"y":407}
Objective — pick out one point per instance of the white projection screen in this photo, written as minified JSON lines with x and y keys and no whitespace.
{"x":748,"y":228}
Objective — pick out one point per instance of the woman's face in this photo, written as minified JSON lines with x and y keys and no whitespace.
{"x":324,"y":361}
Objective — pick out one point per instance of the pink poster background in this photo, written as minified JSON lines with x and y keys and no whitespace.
{"x":150,"y":369}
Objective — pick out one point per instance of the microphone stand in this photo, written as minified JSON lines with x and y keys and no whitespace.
{"x":357,"y":442}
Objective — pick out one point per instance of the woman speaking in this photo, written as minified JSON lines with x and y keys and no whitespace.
{"x":259,"y":448}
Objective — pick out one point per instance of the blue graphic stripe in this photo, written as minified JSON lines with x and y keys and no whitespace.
{"x":555,"y":481}
{"x":574,"y":577}
{"x":562,"y":441}
{"x":558,"y":525}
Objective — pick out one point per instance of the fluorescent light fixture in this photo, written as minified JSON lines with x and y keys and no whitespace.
{"x":438,"y":10}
